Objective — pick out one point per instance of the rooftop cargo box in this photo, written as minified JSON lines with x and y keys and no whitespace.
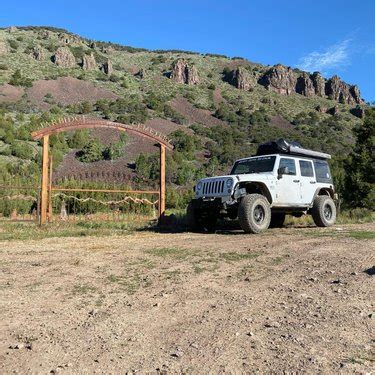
{"x":281,"y":146}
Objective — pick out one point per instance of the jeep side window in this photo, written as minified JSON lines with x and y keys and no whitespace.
{"x":290,"y":164}
{"x":306,"y":168}
{"x":322,"y":171}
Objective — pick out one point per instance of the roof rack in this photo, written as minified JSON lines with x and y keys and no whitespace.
{"x":281,"y":146}
{"x":303,"y":151}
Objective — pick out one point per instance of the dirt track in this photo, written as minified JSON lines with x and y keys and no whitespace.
{"x":227,"y":302}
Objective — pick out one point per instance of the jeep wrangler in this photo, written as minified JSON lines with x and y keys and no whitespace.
{"x":282,"y":179}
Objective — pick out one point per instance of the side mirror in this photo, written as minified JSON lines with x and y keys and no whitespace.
{"x":281,"y":171}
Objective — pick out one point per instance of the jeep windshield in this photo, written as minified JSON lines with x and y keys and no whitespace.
{"x":257,"y":164}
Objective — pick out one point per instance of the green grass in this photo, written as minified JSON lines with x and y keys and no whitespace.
{"x":361,"y":235}
{"x":80,"y":289}
{"x":32,"y":231}
{"x":237,"y":257}
{"x":357,"y":234}
{"x":170,"y":252}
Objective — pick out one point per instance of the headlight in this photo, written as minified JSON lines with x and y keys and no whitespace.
{"x":199,"y":186}
{"x":229,"y":183}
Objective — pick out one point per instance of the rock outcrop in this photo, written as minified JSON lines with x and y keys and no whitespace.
{"x":88,"y":62}
{"x":45,"y":34}
{"x":37,"y":53}
{"x":356,"y":94}
{"x":280,"y":79}
{"x":182,"y":72}
{"x":108,"y":50}
{"x":358,"y":111}
{"x":319,"y":84}
{"x":107,"y":67}
{"x":286,"y":81}
{"x":64,"y":58}
{"x":333,"y":111}
{"x":321,"y":109}
{"x":337,"y":89}
{"x":305,"y":85}
{"x":242,"y":79}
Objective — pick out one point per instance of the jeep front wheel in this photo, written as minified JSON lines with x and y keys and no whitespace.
{"x":254,"y":213}
{"x":323,"y":211}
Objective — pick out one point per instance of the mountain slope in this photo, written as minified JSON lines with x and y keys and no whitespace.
{"x":223,"y":106}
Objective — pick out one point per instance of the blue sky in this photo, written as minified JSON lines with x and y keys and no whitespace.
{"x":332,"y":36}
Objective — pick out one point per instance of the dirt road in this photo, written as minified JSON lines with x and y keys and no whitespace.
{"x":296,"y":300}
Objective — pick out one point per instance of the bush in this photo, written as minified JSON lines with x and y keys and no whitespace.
{"x":21,"y":150}
{"x":92,"y":151}
{"x":18,"y":80}
{"x":78,"y":139}
{"x":13,"y":44}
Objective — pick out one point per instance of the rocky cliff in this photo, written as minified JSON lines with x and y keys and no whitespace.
{"x":64,"y":58}
{"x":182,"y":72}
{"x":286,"y":81}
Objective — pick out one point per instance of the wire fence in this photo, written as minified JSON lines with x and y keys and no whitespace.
{"x":72,"y":204}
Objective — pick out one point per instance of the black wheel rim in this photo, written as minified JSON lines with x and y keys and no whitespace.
{"x":259,"y":214}
{"x":327,"y":212}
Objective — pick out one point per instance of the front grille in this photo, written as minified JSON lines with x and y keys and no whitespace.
{"x":213,"y":187}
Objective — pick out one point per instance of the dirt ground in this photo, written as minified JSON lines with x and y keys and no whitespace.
{"x":290,"y":300}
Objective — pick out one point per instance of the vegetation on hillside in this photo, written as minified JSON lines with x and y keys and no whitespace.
{"x":140,"y":81}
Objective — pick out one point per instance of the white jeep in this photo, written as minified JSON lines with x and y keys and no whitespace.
{"x":262,"y":189}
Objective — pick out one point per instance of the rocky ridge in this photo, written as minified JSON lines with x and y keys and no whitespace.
{"x":184,"y":73}
{"x":64,"y":58}
{"x":285,"y":81}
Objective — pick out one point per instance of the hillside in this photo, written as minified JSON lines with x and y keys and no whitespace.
{"x":215,"y":108}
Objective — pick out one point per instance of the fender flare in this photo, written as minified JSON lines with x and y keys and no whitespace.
{"x":325,"y":191}
{"x":260,"y":187}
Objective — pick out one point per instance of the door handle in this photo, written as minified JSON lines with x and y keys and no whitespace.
{"x":312,"y":182}
{"x":295,"y":180}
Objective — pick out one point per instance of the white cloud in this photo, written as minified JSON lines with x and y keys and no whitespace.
{"x":335,"y":56}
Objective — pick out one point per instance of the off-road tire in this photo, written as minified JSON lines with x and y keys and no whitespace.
{"x":324,"y":211}
{"x":277,"y":220}
{"x":254,"y":213}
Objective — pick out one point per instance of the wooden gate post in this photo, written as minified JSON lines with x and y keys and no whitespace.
{"x":162,"y":183}
{"x":44,"y":187}
{"x":49,"y":209}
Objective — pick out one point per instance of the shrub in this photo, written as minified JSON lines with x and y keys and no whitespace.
{"x":92,"y":151}
{"x":21,"y":150}
{"x":18,"y":80}
{"x":13,"y":44}
{"x":79,"y":139}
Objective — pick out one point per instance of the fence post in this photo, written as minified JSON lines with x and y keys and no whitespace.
{"x":44,"y":184}
{"x":162,"y":183}
{"x":49,"y":211}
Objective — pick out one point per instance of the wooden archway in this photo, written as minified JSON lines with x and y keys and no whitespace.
{"x":84,"y":122}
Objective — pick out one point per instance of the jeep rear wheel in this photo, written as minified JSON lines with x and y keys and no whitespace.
{"x":323,"y":211}
{"x":277,"y":220}
{"x":254,"y":213}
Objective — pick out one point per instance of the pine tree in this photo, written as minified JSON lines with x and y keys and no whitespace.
{"x":360,"y":167}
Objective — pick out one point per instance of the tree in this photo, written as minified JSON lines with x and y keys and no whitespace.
{"x":91,"y":152}
{"x":360,"y":167}
{"x":79,"y":139}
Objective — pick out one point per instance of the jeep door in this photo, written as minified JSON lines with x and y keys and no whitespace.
{"x":307,"y":181}
{"x":287,"y":185}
